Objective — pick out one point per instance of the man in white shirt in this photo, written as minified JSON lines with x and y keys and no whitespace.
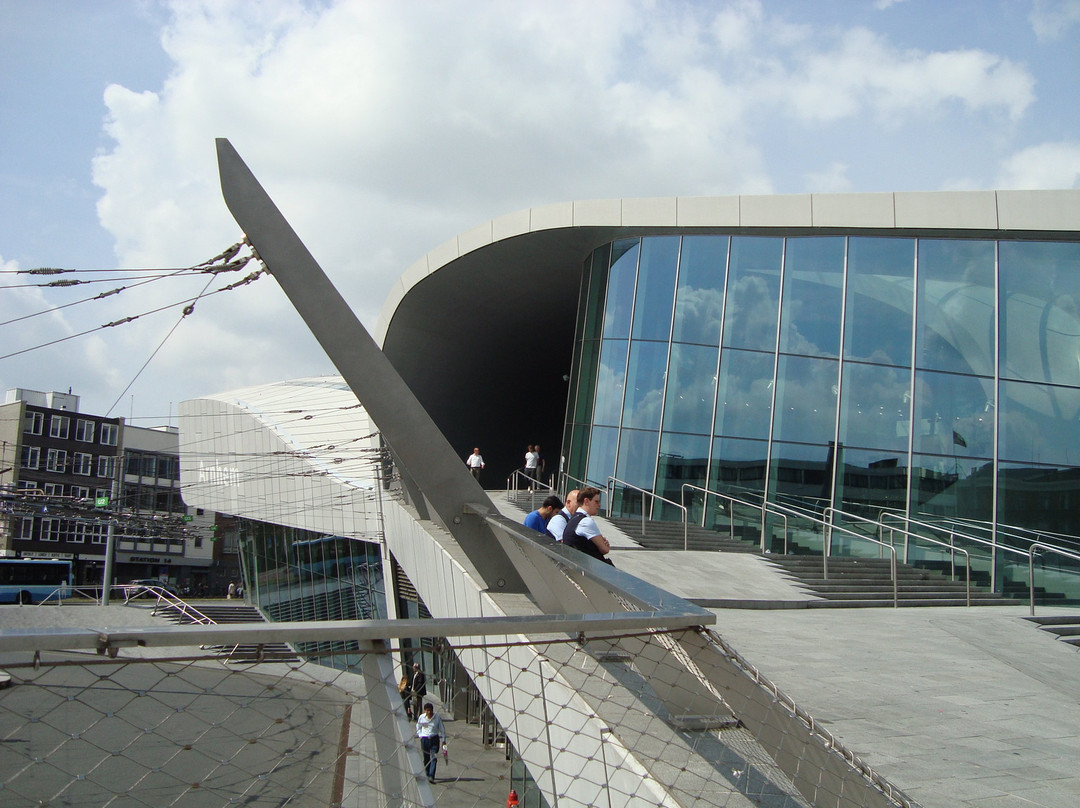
{"x":429,"y":729}
{"x":475,"y":462}
{"x":557,"y":523}
{"x":582,"y":532}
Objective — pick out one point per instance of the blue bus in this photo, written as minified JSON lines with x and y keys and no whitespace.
{"x":31,"y":580}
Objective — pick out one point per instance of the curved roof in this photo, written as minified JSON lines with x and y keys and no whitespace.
{"x":482,"y":326}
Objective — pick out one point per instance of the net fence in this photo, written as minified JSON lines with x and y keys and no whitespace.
{"x":560,"y":720}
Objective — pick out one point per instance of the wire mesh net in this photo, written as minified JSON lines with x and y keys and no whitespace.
{"x":561,"y":721}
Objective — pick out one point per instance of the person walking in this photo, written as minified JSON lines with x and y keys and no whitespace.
{"x":475,"y":462}
{"x":429,"y":729}
{"x":531,"y":458}
{"x":417,"y":688}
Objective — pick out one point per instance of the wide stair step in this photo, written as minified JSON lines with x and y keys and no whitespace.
{"x":669,"y":536}
{"x":236,"y":614}
{"x":1066,"y":627}
{"x":868,"y":582}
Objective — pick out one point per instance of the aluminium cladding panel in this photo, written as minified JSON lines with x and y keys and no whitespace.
{"x":954,"y":210}
{"x":244,"y":468}
{"x":1039,"y":210}
{"x":512,"y":679}
{"x":854,"y":210}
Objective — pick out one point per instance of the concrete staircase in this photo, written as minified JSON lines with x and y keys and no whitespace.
{"x":865,"y":582}
{"x":1065,"y":627}
{"x":240,"y":613}
{"x":669,"y":536}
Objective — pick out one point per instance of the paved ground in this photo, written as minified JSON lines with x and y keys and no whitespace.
{"x":971,"y":707}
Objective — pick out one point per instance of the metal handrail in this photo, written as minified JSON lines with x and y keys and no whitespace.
{"x":1031,"y":566}
{"x":731,"y":513}
{"x":827,"y":531}
{"x":907,"y":535}
{"x":655,"y":496}
{"x":514,"y":480}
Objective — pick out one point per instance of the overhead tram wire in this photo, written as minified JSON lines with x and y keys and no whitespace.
{"x":187,"y":302}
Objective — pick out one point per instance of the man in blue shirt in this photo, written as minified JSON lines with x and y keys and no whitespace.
{"x":538,"y":519}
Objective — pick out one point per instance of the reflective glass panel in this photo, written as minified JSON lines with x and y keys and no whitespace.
{"x":810,"y":313}
{"x":683,"y":459}
{"x":586,"y":388}
{"x":595,"y":289}
{"x":953,"y":415}
{"x":1039,"y":423}
{"x":753,"y":293}
{"x":951,"y":486}
{"x":645,"y":385}
{"x":579,"y":453}
{"x":602,"y":445}
{"x":806,"y":399}
{"x":955,"y":313}
{"x":875,"y":409}
{"x":699,"y":300}
{"x":1040,"y":311}
{"x":800,"y":474}
{"x":620,"y":288}
{"x":691,"y":389}
{"x":744,"y":395}
{"x":637,"y":458}
{"x":870,"y":480}
{"x":655,"y":288}
{"x":1039,"y":497}
{"x":738,"y":466}
{"x":610,"y":380}
{"x":880,"y":294}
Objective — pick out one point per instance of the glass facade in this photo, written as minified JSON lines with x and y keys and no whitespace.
{"x":293,"y":574}
{"x":935,"y":377}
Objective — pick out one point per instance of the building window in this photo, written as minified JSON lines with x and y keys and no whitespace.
{"x":84,"y":430}
{"x":28,"y":485}
{"x":34,"y":423}
{"x":102,"y":492}
{"x":79,"y":532}
{"x":50,"y":530}
{"x":99,"y":533}
{"x":58,"y":426}
{"x":106,"y":466}
{"x":25,"y":528}
{"x":53,"y":489}
{"x":57,"y":460}
{"x":109,"y":434}
{"x":83,"y":465}
{"x":31,"y":457}
{"x":80,"y":492}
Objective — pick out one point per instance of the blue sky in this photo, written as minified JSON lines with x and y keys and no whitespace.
{"x":384,"y":128}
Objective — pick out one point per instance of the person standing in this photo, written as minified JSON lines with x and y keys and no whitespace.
{"x":417,"y":688}
{"x":531,"y":459}
{"x":429,"y":729}
{"x":538,"y":519}
{"x":582,"y":532}
{"x":475,"y":462}
{"x":557,"y":524}
{"x":231,"y":593}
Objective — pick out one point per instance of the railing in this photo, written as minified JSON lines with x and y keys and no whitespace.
{"x":655,"y":496}
{"x":163,"y":598}
{"x":953,"y":535}
{"x":732,"y":500}
{"x":1031,"y":565}
{"x":519,"y":478}
{"x":830,"y":512}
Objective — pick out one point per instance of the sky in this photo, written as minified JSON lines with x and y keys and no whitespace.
{"x":382,"y":129}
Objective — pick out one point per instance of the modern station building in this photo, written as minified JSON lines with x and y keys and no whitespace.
{"x":912,"y":351}
{"x":915,"y":352}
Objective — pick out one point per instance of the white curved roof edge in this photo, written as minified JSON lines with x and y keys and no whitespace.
{"x":1046,"y":210}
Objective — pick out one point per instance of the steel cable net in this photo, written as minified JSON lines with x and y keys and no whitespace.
{"x":565,"y":722}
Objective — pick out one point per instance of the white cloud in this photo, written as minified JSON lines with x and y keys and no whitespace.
{"x":1048,"y":165}
{"x":383,"y":129}
{"x":1055,"y":19}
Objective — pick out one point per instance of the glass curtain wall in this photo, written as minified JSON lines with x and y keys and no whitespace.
{"x":934,"y":377}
